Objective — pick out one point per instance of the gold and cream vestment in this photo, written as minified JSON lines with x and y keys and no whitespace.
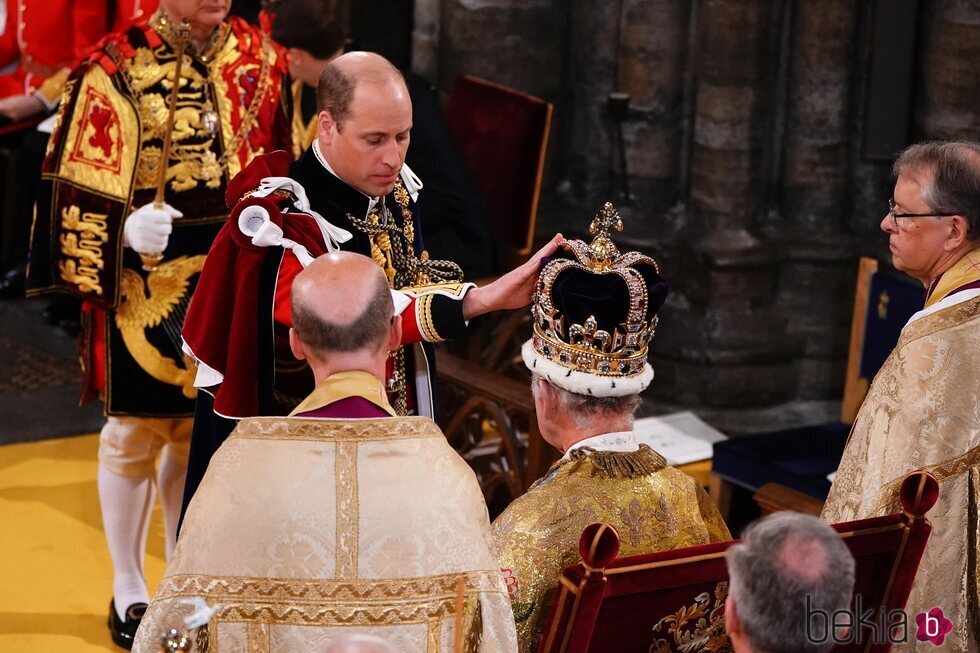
{"x":610,"y":479}
{"x":923,"y":412}
{"x":305,"y":530}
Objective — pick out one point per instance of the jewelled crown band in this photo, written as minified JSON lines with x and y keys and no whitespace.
{"x":594,"y":315}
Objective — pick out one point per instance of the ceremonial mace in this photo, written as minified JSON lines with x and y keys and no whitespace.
{"x":152,"y":259}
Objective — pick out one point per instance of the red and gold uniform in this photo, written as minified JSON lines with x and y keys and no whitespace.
{"x":102,"y":164}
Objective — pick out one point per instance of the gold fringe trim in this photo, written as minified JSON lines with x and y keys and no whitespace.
{"x":621,"y":464}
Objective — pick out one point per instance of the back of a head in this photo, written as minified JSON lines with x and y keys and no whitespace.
{"x":361,"y":644}
{"x":341,"y":303}
{"x":309,"y":25}
{"x":954,"y":187}
{"x":342,"y":76}
{"x":591,"y":410}
{"x":789,"y":567}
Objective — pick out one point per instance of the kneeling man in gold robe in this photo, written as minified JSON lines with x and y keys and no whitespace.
{"x":922,"y":410}
{"x":342,"y":518}
{"x":594,"y":314}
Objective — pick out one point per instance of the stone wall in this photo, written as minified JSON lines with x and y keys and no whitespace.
{"x":747,"y":173}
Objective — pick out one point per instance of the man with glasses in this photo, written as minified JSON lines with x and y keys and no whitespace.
{"x":922,"y":410}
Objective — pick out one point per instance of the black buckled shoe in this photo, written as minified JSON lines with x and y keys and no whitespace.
{"x":124,"y":632}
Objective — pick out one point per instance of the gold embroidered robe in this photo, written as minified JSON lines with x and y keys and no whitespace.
{"x":923,"y":412}
{"x":305,"y":530}
{"x":537,"y":536}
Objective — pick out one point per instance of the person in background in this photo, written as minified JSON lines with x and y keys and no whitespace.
{"x":341,"y":494}
{"x":594,"y":313}
{"x":354,"y":182}
{"x":788,"y":576}
{"x":921,"y":409}
{"x":452,"y":211}
{"x":101,"y":235}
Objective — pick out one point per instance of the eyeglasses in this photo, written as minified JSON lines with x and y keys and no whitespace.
{"x":896,"y":216}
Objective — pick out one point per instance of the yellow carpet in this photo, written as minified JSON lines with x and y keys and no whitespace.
{"x":55,"y":573}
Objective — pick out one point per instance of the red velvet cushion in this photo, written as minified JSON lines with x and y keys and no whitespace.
{"x":502,"y":134}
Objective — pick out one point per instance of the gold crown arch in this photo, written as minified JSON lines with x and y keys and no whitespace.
{"x":584,"y":347}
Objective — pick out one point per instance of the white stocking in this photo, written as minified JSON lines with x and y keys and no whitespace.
{"x":170,"y":481}
{"x":127,"y":503}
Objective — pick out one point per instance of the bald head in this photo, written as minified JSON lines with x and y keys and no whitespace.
{"x":341,"y":303}
{"x":341,"y":78}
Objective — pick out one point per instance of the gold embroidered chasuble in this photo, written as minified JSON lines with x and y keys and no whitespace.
{"x":653,"y":506}
{"x":923,"y":412}
{"x":304,"y":530}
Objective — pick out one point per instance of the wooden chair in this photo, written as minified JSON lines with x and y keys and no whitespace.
{"x":673,"y":601}
{"x":487,"y":408}
{"x":503,"y":135}
{"x":801,"y":458}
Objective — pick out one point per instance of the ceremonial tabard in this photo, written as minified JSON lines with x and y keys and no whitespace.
{"x":103,"y":162}
{"x":305,"y":530}
{"x":923,"y":412}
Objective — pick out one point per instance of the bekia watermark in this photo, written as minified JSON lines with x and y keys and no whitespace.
{"x":933,"y":626}
{"x":878,"y":627}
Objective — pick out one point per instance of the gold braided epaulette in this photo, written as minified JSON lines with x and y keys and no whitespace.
{"x":621,"y":464}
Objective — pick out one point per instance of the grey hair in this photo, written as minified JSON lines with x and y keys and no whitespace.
{"x":361,"y":644}
{"x":787,"y":566}
{"x":584,"y":409}
{"x":954,"y":186}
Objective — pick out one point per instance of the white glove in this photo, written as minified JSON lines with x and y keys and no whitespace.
{"x":147,"y":229}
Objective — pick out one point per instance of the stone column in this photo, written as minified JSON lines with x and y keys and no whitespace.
{"x":949,"y":93}
{"x":518,"y":43}
{"x":592,"y":64}
{"x":653,"y":61}
{"x":722,"y":344}
{"x":425,"y":39}
{"x":818,"y":261}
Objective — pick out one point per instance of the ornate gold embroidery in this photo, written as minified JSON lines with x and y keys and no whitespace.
{"x":889,"y":502}
{"x":538,"y":535}
{"x":258,"y":637}
{"x":402,"y":199}
{"x":973,"y":551}
{"x":82,"y":238}
{"x":103,"y":138}
{"x":433,"y":636}
{"x":236,"y":128}
{"x":66,"y":94}
{"x":706,"y":633}
{"x":348,"y":532}
{"x":168,"y":286}
{"x":385,"y":428}
{"x":326,"y":603}
{"x":940,"y":321}
{"x":449,"y":289}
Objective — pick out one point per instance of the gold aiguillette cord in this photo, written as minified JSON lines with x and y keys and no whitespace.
{"x":152,"y":259}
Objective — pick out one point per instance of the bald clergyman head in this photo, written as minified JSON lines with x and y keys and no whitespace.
{"x":343,"y":316}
